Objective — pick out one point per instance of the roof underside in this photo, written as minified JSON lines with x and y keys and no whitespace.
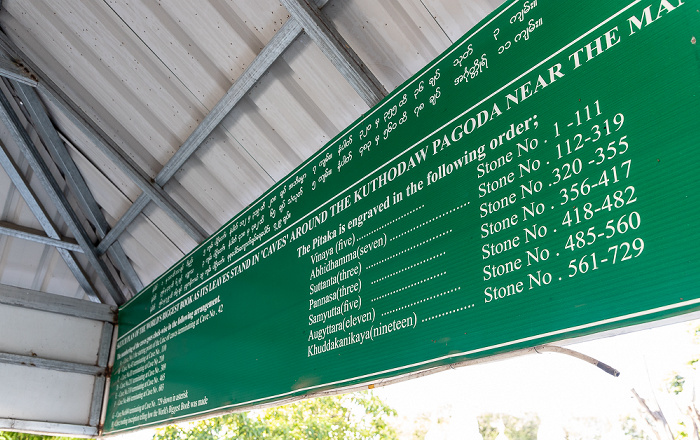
{"x":177,"y":115}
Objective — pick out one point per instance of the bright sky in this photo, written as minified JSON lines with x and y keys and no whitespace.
{"x":556,"y":386}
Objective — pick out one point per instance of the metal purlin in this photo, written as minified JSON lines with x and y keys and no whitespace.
{"x":36,"y":162}
{"x":48,"y":135}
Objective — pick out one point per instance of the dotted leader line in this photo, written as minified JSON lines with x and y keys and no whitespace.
{"x":408,"y":249}
{"x":429,"y":221}
{"x":393,"y":221}
{"x":408,"y":268}
{"x":447,"y":313}
{"x":409,"y":286}
{"x":422,"y":301}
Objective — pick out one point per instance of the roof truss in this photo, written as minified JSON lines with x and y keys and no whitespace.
{"x":51,"y":231}
{"x":305,"y":16}
{"x":36,"y":162}
{"x":49,"y":136}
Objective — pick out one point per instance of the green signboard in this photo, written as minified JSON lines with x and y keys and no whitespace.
{"x":535,"y":182}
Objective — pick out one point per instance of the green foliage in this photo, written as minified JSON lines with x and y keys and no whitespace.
{"x":355,"y":416}
{"x":23,"y":436}
{"x":421,"y":427}
{"x":675,"y":384}
{"x":515,"y":428}
{"x":632,"y":431}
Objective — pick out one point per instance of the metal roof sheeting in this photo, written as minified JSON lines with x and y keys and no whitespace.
{"x":148,"y":72}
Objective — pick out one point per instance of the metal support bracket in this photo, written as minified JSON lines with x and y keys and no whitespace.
{"x":337,"y":50}
{"x":51,"y":139}
{"x":50,"y":364}
{"x":38,"y":210}
{"x":106,"y":145}
{"x":26,"y":145}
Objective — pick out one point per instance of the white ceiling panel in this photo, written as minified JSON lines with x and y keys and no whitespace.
{"x":206,"y":45}
{"x":224,"y":177}
{"x":456,"y":17}
{"x":80,"y":145}
{"x":115,"y":67}
{"x":151,"y":251}
{"x":47,"y":335}
{"x":28,"y":393}
{"x":296,"y":108}
{"x":395,"y":38}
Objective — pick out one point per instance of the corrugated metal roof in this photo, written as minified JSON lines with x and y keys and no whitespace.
{"x":148,"y":72}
